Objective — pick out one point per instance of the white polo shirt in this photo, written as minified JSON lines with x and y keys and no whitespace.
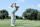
{"x":14,"y":10}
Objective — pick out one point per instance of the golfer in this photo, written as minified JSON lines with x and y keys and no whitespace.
{"x":13,"y":17}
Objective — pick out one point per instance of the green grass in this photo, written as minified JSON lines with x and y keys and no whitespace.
{"x":20,"y":23}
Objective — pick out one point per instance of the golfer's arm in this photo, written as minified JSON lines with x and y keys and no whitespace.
{"x":14,"y":5}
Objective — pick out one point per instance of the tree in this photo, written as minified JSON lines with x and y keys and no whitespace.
{"x":38,"y":15}
{"x":30,"y":14}
{"x":0,"y":15}
{"x":17,"y":17}
{"x":4,"y":13}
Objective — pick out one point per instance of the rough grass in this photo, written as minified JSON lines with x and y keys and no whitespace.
{"x":20,"y":23}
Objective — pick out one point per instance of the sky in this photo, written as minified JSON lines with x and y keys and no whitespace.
{"x":23,"y":5}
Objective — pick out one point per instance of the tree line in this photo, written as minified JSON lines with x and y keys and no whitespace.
{"x":4,"y":14}
{"x":30,"y":14}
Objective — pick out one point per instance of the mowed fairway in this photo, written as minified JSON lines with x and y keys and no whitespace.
{"x":20,"y":23}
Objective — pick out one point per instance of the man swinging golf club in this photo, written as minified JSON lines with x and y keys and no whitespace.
{"x":13,"y":18}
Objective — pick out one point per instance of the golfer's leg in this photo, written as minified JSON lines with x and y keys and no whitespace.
{"x":14,"y":18}
{"x":11,"y":19}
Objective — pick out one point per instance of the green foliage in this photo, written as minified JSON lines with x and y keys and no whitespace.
{"x":4,"y":14}
{"x":9,"y":17}
{"x":0,"y":16}
{"x":17,"y":17}
{"x":39,"y":12}
{"x":39,"y":16}
{"x":30,"y":14}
